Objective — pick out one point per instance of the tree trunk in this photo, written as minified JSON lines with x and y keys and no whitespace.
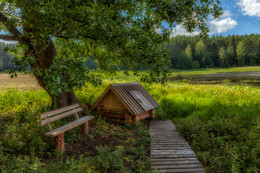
{"x":45,"y":56}
{"x":64,"y":99}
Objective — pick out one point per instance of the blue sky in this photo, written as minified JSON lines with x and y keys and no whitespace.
{"x":240,"y":17}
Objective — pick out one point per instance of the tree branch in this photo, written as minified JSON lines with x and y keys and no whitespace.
{"x":12,"y":29}
{"x":7,"y":38}
{"x":61,"y":36}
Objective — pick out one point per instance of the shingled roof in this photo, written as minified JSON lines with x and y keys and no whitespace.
{"x":133,"y":96}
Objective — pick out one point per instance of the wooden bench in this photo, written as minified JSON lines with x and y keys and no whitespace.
{"x":58,"y":133}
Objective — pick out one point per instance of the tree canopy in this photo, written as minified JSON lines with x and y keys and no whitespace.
{"x":56,"y":37}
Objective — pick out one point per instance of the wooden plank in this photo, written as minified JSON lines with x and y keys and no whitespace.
{"x":178,"y":166}
{"x":142,"y":116}
{"x":168,"y":152}
{"x":182,"y":170}
{"x":168,"y":143}
{"x":57,"y":111}
{"x":175,"y":162}
{"x":60,"y":116}
{"x":169,"y":140}
{"x":68,"y":126}
{"x":173,"y":159}
{"x":173,"y":156}
{"x":169,"y":147}
{"x":111,"y":102}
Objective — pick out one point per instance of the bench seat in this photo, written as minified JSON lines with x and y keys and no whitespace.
{"x":66,"y":127}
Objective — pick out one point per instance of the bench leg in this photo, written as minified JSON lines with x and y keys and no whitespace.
{"x":84,"y":128}
{"x":59,"y":143}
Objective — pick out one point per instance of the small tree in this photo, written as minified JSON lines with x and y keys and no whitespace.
{"x":258,"y":51}
{"x":241,"y":53}
{"x":223,"y":58}
{"x":200,"y":53}
{"x":184,"y":59}
{"x":231,"y":55}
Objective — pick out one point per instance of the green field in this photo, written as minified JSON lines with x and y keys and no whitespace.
{"x":221,"y":122}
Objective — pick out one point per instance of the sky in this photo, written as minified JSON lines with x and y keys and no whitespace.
{"x":240,"y":17}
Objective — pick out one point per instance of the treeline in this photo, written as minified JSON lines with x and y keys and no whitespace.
{"x":191,"y":52}
{"x":5,"y":58}
{"x":216,"y":51}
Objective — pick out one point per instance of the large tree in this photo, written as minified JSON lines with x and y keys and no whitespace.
{"x":56,"y":35}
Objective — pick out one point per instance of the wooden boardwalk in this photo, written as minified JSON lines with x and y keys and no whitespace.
{"x":170,"y":152}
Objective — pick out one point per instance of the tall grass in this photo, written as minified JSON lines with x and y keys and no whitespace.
{"x":221,"y":122}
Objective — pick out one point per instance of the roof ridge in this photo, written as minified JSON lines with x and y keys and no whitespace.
{"x":130,"y":83}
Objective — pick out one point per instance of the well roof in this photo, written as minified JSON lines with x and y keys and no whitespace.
{"x":133,"y":96}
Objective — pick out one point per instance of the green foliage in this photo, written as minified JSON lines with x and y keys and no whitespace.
{"x":226,"y":81}
{"x":200,"y":48}
{"x":223,"y":57}
{"x":241,"y":53}
{"x":195,"y":65}
{"x":183,"y":61}
{"x":108,"y":160}
{"x":231,"y":55}
{"x":67,"y":73}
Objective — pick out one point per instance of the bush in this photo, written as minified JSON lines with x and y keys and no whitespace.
{"x":195,"y":65}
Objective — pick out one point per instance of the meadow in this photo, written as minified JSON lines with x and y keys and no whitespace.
{"x":221,"y":122}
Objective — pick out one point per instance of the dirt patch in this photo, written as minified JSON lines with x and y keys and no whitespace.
{"x":112,"y":135}
{"x":22,"y":82}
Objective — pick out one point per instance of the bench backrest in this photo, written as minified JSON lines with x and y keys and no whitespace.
{"x":57,"y":114}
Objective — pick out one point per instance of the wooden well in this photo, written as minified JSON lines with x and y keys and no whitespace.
{"x":127,"y":101}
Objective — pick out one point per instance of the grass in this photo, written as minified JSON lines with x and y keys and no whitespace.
{"x":221,"y":122}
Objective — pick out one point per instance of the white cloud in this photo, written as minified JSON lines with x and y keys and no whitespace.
{"x":250,"y":7}
{"x":215,"y":26}
{"x":226,"y":14}
{"x":180,"y":30}
{"x":222,"y":25}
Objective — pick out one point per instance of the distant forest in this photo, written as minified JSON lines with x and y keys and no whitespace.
{"x":191,"y":52}
{"x":217,"y":51}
